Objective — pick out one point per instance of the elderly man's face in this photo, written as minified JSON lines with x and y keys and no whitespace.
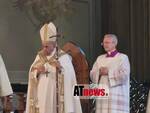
{"x":48,"y":47}
{"x":109,"y":44}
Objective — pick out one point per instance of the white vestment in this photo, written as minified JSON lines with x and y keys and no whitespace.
{"x":117,"y":82}
{"x":46,"y":88}
{"x":5,"y":86}
{"x":148,"y":104}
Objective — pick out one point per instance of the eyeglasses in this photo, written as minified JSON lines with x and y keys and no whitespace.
{"x":106,"y":43}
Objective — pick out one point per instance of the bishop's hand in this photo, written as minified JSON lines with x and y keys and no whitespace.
{"x":40,"y":69}
{"x":57,"y":65}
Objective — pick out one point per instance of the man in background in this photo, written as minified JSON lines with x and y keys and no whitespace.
{"x":112,"y":69}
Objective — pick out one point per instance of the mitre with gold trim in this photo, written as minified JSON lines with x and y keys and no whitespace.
{"x":48,"y":32}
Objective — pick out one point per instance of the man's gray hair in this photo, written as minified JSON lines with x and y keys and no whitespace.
{"x":113,"y":36}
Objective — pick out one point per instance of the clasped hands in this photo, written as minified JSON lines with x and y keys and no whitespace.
{"x":103,"y":71}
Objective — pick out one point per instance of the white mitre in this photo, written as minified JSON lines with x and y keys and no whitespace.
{"x":48,"y":32}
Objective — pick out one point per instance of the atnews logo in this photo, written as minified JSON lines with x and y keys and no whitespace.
{"x":85,"y":91}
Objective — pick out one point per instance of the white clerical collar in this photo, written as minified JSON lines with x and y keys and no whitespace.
{"x":109,"y":52}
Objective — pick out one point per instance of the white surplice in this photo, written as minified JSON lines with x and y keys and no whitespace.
{"x":117,"y":82}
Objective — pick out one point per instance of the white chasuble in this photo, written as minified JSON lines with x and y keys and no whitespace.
{"x":41,"y":97}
